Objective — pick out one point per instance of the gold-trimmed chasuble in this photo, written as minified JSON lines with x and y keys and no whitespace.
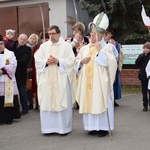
{"x":53,"y":76}
{"x":89,"y":76}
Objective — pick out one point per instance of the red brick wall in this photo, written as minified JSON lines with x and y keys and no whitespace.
{"x":130,"y":77}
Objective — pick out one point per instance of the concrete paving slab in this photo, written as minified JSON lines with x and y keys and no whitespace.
{"x":132,"y":131}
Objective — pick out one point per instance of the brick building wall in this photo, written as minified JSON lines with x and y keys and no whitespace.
{"x":130,"y":77}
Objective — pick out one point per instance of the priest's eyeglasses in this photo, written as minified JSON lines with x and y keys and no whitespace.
{"x":52,"y":33}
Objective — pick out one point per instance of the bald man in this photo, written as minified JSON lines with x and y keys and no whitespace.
{"x":23,"y":54}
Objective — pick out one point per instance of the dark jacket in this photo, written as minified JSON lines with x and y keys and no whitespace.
{"x":23,"y":55}
{"x":141,"y":62}
{"x":8,"y":43}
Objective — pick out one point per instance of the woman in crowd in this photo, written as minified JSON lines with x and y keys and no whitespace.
{"x":33,"y":41}
{"x":34,"y":82}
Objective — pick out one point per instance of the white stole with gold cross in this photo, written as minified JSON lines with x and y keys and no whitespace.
{"x":9,"y":85}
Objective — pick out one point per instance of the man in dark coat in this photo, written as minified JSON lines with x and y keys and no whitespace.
{"x":23,"y":55}
{"x":141,"y":62}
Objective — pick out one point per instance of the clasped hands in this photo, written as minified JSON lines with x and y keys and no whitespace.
{"x":52,"y":60}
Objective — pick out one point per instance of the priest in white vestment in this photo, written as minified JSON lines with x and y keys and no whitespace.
{"x":54,"y":63}
{"x":9,"y":104}
{"x":96,"y":68}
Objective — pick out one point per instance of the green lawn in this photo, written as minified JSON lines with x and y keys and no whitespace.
{"x":128,"y":89}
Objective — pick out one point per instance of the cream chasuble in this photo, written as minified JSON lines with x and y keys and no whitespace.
{"x":94,"y":82}
{"x":52,"y":80}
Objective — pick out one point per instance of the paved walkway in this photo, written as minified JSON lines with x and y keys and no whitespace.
{"x":132,"y":132}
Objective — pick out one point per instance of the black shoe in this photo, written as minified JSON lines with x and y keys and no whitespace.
{"x":145,"y":108}
{"x":94,"y":132}
{"x":47,"y":134}
{"x":116,"y":104}
{"x":30,"y":106}
{"x":64,"y":134}
{"x":102,"y":133}
{"x":76,"y":106}
{"x":9,"y":122}
{"x":24,"y":112}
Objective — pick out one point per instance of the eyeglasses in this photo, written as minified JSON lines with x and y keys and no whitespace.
{"x":52,"y":33}
{"x":1,"y":42}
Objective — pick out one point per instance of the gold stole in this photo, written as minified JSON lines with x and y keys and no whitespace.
{"x":89,"y":76}
{"x":53,"y":76}
{"x":9,"y":86}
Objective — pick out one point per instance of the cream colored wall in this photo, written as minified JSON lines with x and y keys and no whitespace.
{"x":58,"y":15}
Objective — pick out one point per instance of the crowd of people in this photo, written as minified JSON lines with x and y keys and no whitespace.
{"x":82,"y":71}
{"x":16,"y":65}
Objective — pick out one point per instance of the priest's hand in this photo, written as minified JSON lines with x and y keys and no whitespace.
{"x":52,"y":60}
{"x":98,"y":46}
{"x":85,"y":60}
{"x":77,"y":36}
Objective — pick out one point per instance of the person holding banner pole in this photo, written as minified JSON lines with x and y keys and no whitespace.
{"x":96,"y":67}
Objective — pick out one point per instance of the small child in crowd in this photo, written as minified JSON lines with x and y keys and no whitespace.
{"x":8,"y":39}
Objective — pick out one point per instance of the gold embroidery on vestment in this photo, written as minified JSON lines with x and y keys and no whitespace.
{"x":53,"y":76}
{"x":89,"y":69}
{"x":8,"y":92}
{"x":89,"y":77}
